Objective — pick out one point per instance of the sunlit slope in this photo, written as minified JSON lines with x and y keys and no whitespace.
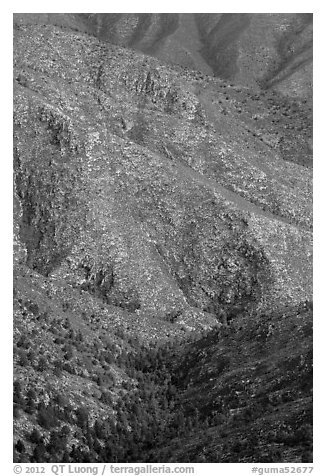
{"x":137,"y":185}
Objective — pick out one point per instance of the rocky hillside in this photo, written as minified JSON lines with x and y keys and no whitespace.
{"x":265,"y":50}
{"x":152,"y":204}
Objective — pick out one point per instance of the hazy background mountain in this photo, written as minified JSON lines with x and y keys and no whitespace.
{"x":253,"y":49}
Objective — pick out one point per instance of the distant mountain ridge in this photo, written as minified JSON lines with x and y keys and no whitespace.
{"x":264,"y":50}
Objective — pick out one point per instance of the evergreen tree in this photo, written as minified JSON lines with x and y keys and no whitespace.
{"x":20,"y":447}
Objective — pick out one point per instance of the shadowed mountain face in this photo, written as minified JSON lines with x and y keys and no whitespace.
{"x":151,"y":202}
{"x":252,"y":49}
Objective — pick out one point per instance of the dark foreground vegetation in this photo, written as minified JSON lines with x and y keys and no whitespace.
{"x":238,"y":394}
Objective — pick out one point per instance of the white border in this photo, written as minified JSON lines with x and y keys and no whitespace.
{"x":319,"y":199}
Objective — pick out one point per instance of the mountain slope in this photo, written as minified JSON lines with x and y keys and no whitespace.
{"x":152,"y":204}
{"x":111,"y":203}
{"x":249,"y":390}
{"x":86,"y":391}
{"x":269,"y":50}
